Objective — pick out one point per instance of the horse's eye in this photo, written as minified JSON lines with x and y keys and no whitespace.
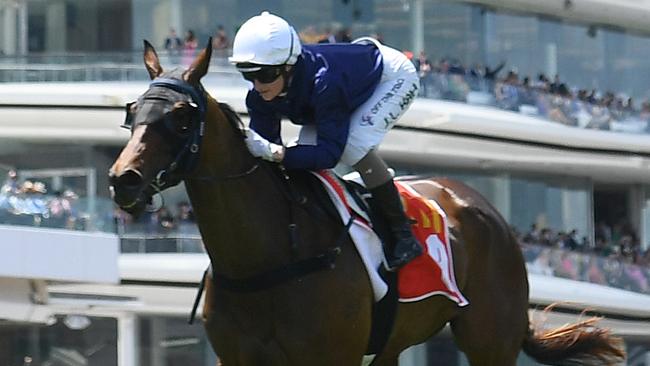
{"x":183,"y":121}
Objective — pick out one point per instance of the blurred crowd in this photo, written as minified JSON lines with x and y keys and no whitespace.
{"x":183,"y":50}
{"x":614,"y":259}
{"x":618,"y":242}
{"x":535,"y":96}
{"x":158,"y":223}
{"x":26,"y":202}
{"x":450,"y":79}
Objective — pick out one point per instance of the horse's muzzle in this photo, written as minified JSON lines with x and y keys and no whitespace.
{"x":126,"y":188}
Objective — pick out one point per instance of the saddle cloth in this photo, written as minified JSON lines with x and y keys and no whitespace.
{"x":428,"y":275}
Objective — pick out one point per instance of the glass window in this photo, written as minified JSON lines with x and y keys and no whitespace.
{"x":561,"y":205}
{"x":69,"y":340}
{"x":172,"y":342}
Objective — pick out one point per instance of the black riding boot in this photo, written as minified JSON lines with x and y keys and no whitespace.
{"x":404,"y":246}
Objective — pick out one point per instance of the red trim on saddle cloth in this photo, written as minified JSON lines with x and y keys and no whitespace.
{"x":340,"y":192}
{"x":433,"y":272}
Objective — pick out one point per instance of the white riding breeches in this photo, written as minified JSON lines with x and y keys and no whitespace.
{"x":375,"y":117}
{"x":370,"y":122}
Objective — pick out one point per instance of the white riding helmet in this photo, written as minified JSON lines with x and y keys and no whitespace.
{"x":266,"y":39}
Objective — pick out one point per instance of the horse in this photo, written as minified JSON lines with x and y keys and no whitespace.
{"x":286,"y":285}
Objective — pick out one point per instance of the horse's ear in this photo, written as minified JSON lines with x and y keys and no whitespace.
{"x":199,"y":67}
{"x":151,"y":61}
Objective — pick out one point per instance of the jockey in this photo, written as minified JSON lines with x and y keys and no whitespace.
{"x":346,"y":97}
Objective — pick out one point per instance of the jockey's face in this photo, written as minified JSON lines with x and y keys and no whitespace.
{"x":268,"y":91}
{"x":269,"y":84}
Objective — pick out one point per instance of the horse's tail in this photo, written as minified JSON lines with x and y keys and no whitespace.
{"x":580,"y":343}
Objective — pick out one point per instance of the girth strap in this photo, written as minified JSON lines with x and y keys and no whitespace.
{"x":268,"y":279}
{"x":277,"y":276}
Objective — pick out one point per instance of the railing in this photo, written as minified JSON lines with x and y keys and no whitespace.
{"x":172,"y":243}
{"x":71,"y":67}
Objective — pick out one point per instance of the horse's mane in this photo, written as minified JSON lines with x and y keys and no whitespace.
{"x":233,"y":118}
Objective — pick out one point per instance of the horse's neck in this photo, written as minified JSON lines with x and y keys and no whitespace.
{"x":243,"y":220}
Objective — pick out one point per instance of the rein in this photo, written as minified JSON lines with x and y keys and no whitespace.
{"x":188,"y":157}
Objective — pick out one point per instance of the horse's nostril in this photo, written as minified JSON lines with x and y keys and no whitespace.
{"x":129,"y":179}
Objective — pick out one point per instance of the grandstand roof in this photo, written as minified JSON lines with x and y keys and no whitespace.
{"x":630,"y":15}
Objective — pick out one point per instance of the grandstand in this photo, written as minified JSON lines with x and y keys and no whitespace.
{"x":106,"y":290}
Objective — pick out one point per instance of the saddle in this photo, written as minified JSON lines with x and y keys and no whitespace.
{"x":425,"y":276}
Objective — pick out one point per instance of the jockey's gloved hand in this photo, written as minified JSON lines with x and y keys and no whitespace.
{"x":263,"y":148}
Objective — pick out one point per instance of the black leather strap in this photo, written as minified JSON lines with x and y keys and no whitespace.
{"x":274,"y":277}
{"x":268,"y":279}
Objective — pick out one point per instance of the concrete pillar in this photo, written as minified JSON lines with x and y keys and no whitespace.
{"x":417,"y":26}
{"x":151,"y":20}
{"x":551,"y":59}
{"x":22,"y":28}
{"x":158,"y":332}
{"x":176,"y":16}
{"x":127,"y":340}
{"x":501,"y":188}
{"x":576,"y":206}
{"x":55,"y":23}
{"x":9,"y":29}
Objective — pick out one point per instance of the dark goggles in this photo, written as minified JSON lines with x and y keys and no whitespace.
{"x":265,"y":74}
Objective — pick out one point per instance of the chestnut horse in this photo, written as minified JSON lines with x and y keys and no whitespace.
{"x":263,"y":307}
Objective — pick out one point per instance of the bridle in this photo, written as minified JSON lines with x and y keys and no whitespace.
{"x":186,"y":145}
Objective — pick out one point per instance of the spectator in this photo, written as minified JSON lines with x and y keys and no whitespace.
{"x":165,"y":220}
{"x":220,"y":41}
{"x":185,"y":215}
{"x":507,"y":91}
{"x":532,"y":236}
{"x":189,"y":47}
{"x":32,"y":203}
{"x":328,"y":36}
{"x":60,"y":210}
{"x":8,"y":192}
{"x":173,"y":43}
{"x":555,"y":85}
{"x":344,"y":35}
{"x":541,"y":264}
{"x":490,"y":74}
{"x":309,"y":35}
{"x":595,"y":272}
{"x":10,"y":186}
{"x":571,"y":240}
{"x":423,"y":66}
